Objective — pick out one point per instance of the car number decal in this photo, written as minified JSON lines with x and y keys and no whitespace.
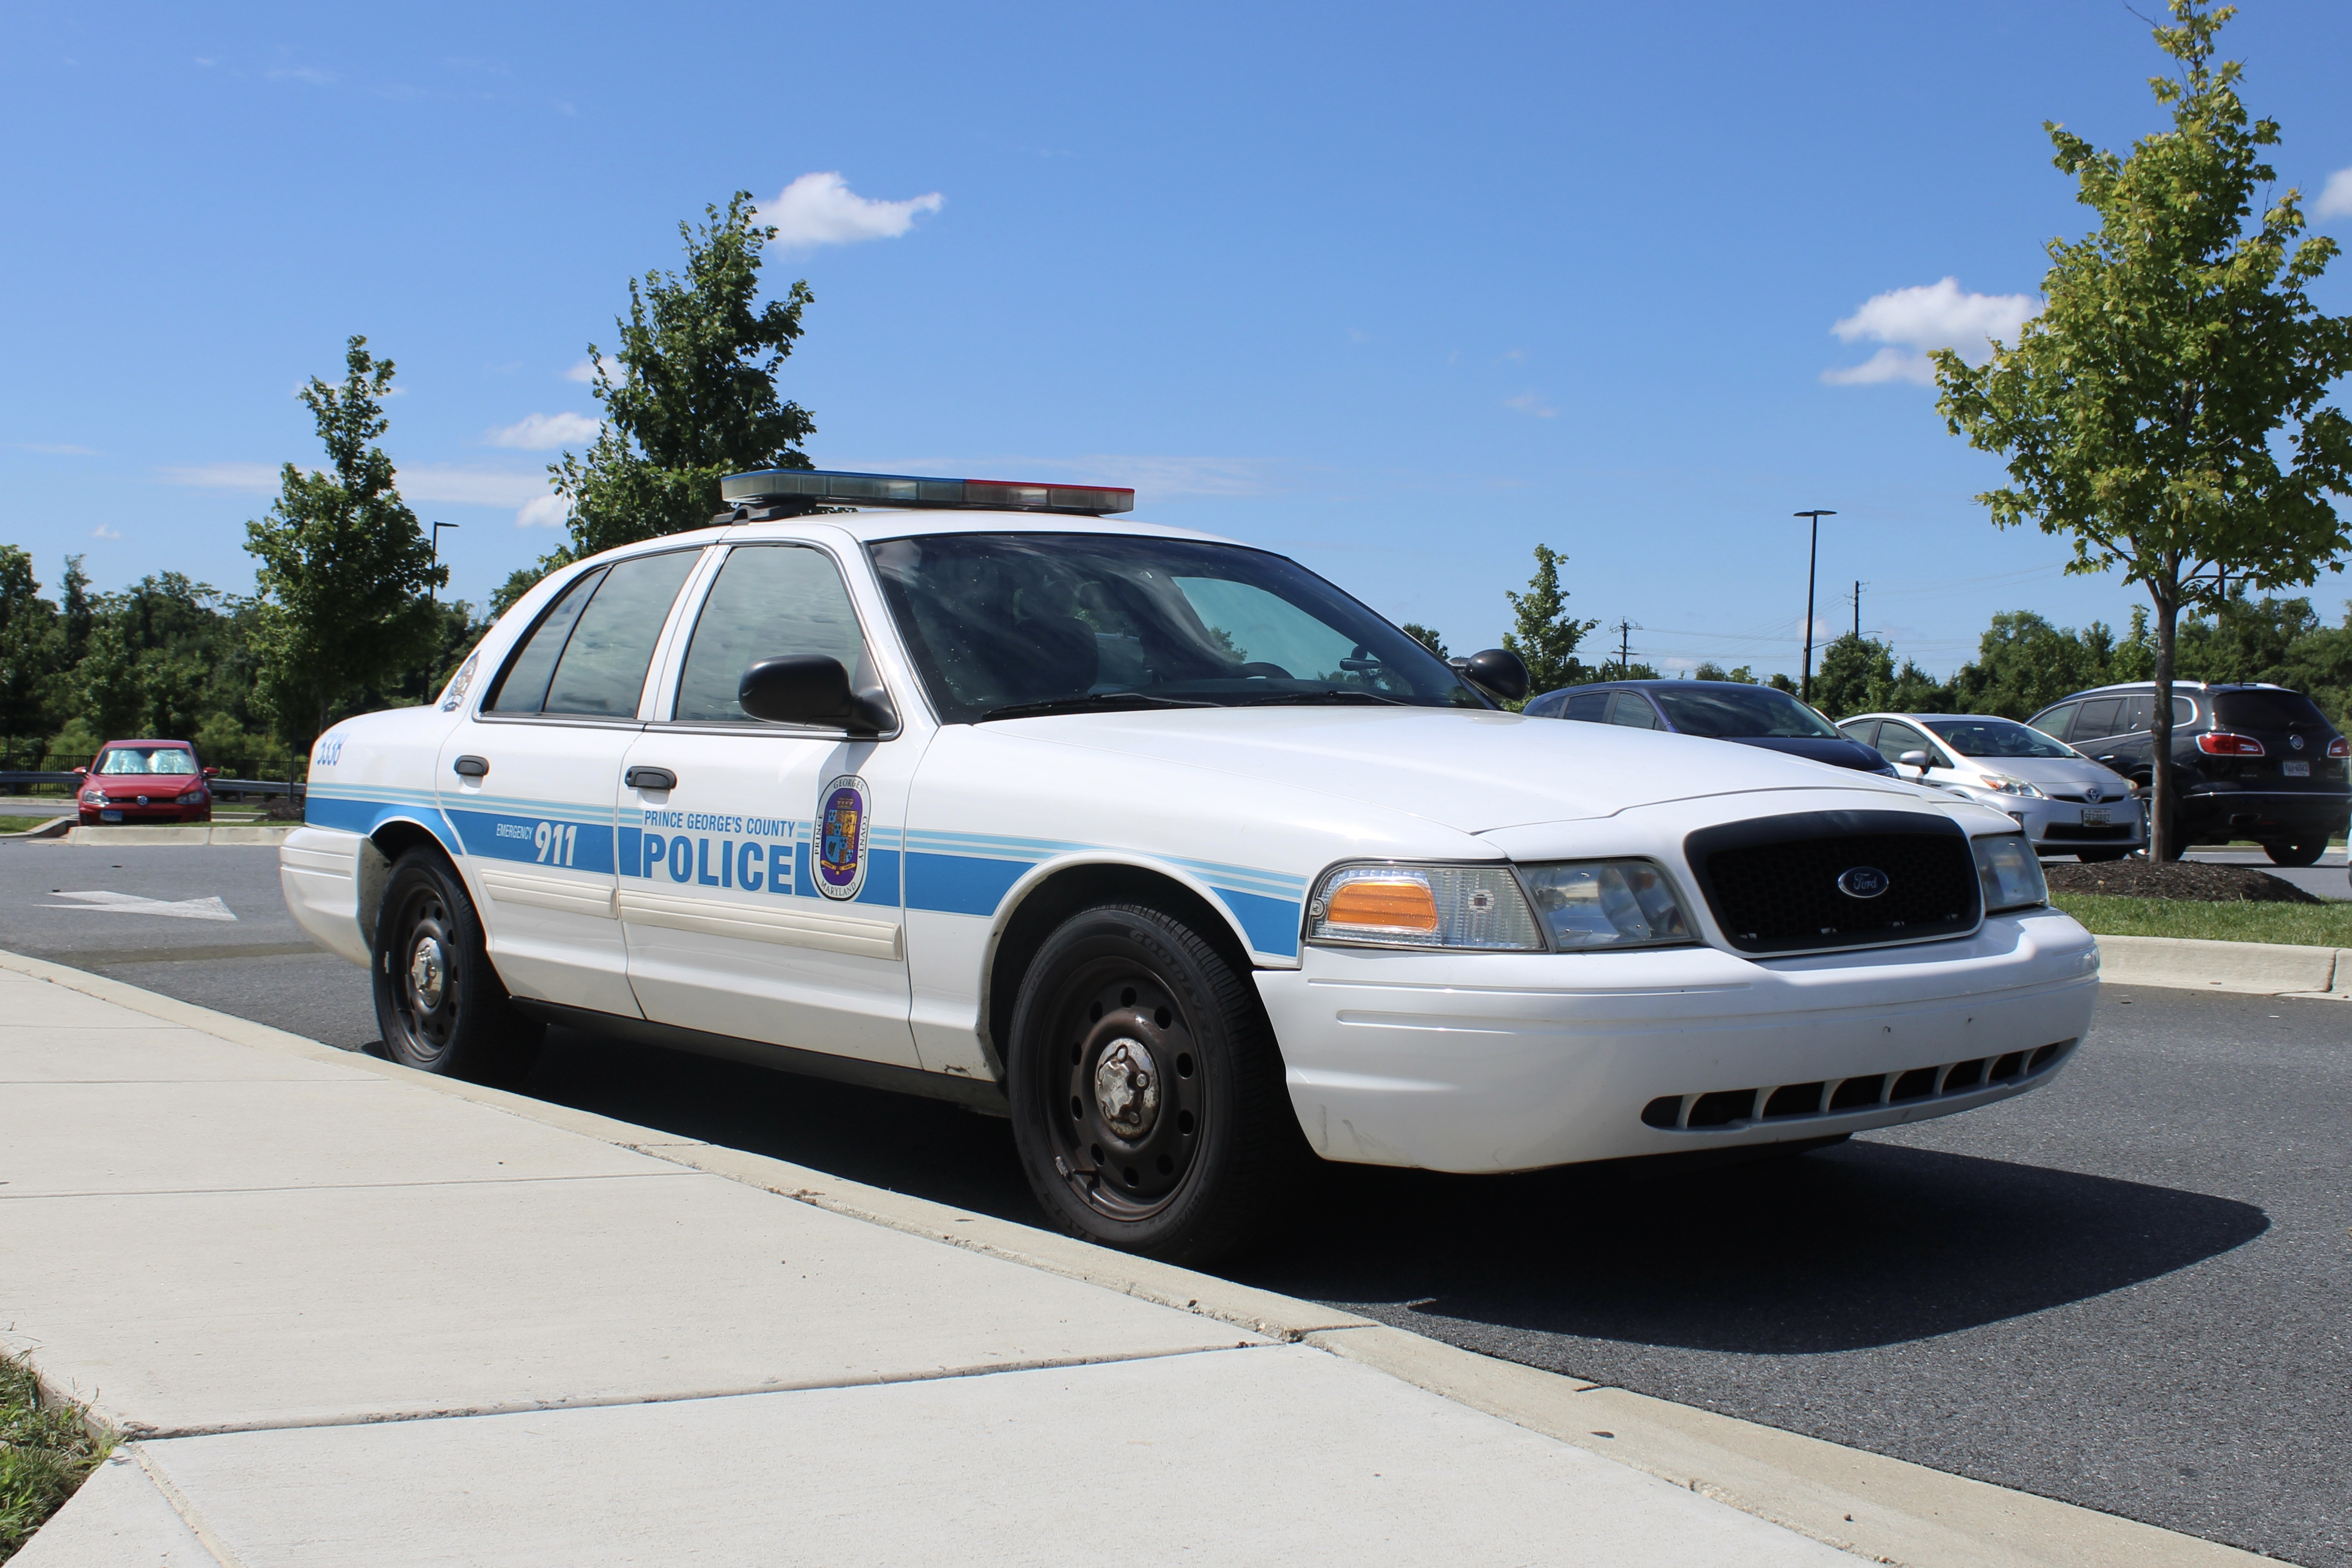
{"x":842,"y":820}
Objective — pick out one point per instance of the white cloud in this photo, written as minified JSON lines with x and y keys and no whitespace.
{"x":2335,"y":197}
{"x":469,"y":486}
{"x":585,"y":370}
{"x":548,"y":511}
{"x":1531,"y":403}
{"x":821,"y":209}
{"x":1929,"y":315}
{"x":103,"y":532}
{"x":259,"y":477}
{"x":546,"y":432}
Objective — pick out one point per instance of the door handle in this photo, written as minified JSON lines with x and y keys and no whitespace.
{"x":651,"y":778}
{"x":471,"y":767}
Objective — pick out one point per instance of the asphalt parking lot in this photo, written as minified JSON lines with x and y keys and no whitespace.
{"x":2131,"y":1289}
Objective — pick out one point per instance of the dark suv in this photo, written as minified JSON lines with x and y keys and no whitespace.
{"x":2255,"y":762}
{"x":1721,"y":710}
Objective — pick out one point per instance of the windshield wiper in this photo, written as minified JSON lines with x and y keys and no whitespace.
{"x":1335,"y":696}
{"x":1094,"y":702}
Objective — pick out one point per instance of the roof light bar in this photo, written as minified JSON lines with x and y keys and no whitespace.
{"x":820,"y":487}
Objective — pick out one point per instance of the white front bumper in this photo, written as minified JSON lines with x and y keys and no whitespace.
{"x":1502,"y":1062}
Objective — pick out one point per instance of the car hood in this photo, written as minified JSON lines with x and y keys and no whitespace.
{"x":1468,"y":769}
{"x":146,"y":783}
{"x":2054,"y":775}
{"x":1819,"y":749}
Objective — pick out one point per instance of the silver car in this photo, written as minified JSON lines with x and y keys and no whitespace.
{"x":2067,"y":804}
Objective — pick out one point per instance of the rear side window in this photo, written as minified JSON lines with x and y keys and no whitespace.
{"x":2097,"y":719}
{"x":1589,"y":707}
{"x":588,"y":656}
{"x":769,"y":600}
{"x":1861,"y":732}
{"x":2266,"y":710}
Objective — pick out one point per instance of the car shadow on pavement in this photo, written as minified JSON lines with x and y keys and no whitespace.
{"x":1847,"y":1247}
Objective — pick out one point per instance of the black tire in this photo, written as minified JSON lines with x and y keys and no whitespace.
{"x":2099,"y":857}
{"x":2304,"y":852}
{"x":438,"y":1001}
{"x":1147,"y":1100}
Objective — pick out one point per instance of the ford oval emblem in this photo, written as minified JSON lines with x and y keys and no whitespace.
{"x":1862,"y":881}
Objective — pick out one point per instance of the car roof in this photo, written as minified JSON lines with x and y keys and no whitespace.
{"x":183,"y":745}
{"x":1925,"y":717}
{"x":2134,"y":687}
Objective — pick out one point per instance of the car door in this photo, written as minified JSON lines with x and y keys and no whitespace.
{"x":533,"y":805}
{"x":760,"y":892}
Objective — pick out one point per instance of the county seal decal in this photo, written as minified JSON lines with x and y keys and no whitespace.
{"x":841,"y":823}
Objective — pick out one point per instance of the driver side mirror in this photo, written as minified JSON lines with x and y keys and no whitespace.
{"x":812,"y":689}
{"x":1496,"y":671}
{"x":81,"y":770}
{"x":1915,"y":759}
{"x":212,"y":772}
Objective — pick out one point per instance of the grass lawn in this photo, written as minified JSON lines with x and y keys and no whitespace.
{"x":2301,"y":925}
{"x":11,"y":824}
{"x":44,"y":1452}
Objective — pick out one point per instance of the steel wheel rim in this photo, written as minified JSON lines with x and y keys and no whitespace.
{"x":428,"y":1013}
{"x":1122,"y":1084}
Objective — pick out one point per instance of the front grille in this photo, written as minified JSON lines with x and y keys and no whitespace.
{"x":1774,"y":883}
{"x":1727,"y":1110}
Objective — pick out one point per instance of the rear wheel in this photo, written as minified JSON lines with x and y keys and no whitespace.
{"x":2303,"y":852}
{"x":1147,"y":1100}
{"x":438,"y":1001}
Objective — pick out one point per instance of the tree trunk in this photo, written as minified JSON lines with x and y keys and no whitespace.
{"x":2160,"y":827}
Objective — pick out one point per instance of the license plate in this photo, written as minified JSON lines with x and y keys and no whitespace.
{"x":109,"y":816}
{"x":2097,"y":816}
{"x":2296,"y":769}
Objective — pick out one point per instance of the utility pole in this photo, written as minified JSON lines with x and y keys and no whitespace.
{"x":1625,"y":629}
{"x":429,"y":591}
{"x":1857,"y":610}
{"x":1813,"y":559}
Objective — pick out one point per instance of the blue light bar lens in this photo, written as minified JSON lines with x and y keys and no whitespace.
{"x":822,"y":486}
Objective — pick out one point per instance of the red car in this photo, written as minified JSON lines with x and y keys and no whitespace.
{"x":145,"y":781}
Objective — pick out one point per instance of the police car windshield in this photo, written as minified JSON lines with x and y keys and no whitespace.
{"x":1038,"y":622}
{"x":1995,"y":737}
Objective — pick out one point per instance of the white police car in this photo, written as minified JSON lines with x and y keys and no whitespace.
{"x":1162,"y":845}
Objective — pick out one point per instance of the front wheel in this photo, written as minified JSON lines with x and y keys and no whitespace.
{"x":1147,"y":1100}
{"x":2302,"y":851}
{"x":439,"y":1003}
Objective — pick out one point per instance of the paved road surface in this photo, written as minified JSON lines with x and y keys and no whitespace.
{"x":2327,"y":879}
{"x":2131,"y":1290}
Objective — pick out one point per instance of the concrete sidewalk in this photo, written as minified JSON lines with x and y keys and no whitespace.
{"x":348,"y":1319}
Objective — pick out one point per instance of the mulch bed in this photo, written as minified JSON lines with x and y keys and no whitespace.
{"x":2192,"y":880}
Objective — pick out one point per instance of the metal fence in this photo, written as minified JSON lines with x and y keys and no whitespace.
{"x":241,"y":787}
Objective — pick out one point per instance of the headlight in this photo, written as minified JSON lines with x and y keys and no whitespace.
{"x":2005,"y":785}
{"x":192,"y":797}
{"x":2010,"y":873}
{"x":1476,"y":907}
{"x":93,"y":798}
{"x":1606,"y":904}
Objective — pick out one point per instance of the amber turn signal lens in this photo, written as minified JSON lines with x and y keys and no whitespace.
{"x":1384,"y":904}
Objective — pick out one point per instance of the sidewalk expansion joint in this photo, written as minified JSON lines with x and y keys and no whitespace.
{"x":339,"y":1186}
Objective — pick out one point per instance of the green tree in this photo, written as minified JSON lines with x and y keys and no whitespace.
{"x":73,"y":614}
{"x":1544,"y":633}
{"x":345,"y":569}
{"x":1425,"y":637}
{"x":1851,"y":669}
{"x":1708,"y":670}
{"x":2165,"y":409}
{"x":2023,"y":663}
{"x":30,"y":644}
{"x":689,"y":395}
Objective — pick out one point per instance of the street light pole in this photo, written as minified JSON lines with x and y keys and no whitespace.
{"x":437,"y":550}
{"x":1812,"y":557}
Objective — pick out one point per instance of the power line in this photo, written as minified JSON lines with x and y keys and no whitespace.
{"x":1625,"y":629}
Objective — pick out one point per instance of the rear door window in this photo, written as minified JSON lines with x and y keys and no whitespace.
{"x":588,"y":655}
{"x":1591,"y":708}
{"x":1632,"y":710}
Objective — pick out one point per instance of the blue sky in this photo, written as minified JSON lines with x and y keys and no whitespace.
{"x":1399,"y":291}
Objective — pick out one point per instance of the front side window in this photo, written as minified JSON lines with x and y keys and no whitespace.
{"x":1895,"y":739}
{"x":588,"y":655}
{"x":999,"y":624}
{"x":1723,"y":709}
{"x":1995,"y":737}
{"x":770,"y":600}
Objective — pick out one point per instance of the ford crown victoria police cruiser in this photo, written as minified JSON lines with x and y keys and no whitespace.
{"x":1166,"y":847}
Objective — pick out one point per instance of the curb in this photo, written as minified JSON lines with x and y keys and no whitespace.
{"x":2245,"y":968}
{"x":1883,"y":1509}
{"x":173,"y":833}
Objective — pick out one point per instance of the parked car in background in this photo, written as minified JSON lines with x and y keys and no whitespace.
{"x":1720,"y":710}
{"x":2067,"y":804}
{"x":2258,"y":762}
{"x":145,"y":781}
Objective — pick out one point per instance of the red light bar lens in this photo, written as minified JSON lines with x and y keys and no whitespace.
{"x":819,"y":487}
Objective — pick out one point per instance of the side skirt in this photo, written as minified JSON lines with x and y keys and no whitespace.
{"x":975,"y":1093}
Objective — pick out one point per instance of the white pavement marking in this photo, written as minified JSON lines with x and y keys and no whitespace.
{"x":133,"y":903}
